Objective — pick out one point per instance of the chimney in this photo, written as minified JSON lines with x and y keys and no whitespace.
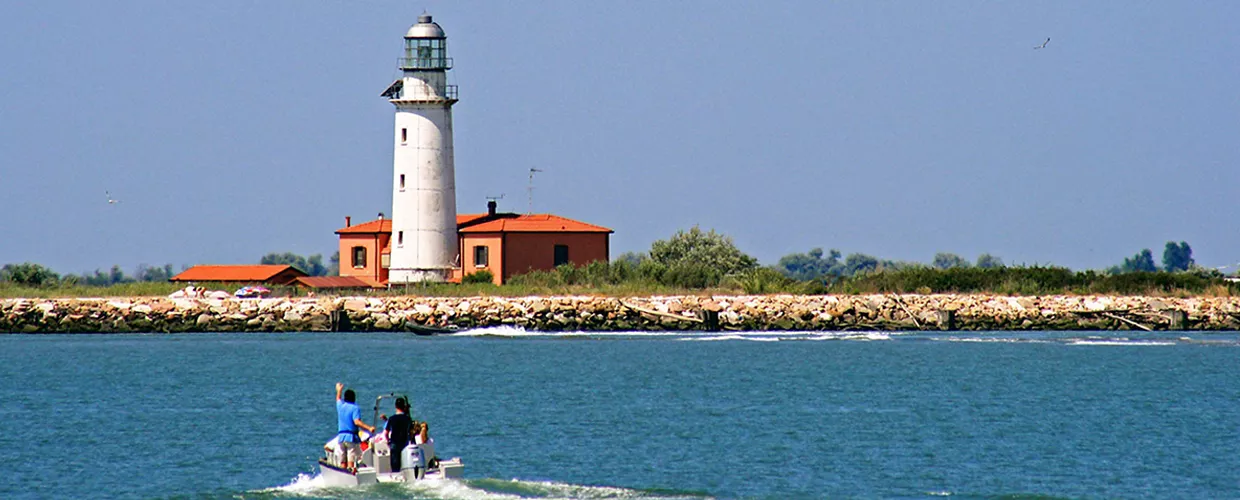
{"x":491,"y":207}
{"x":348,"y":221}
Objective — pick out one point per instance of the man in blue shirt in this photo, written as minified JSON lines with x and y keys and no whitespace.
{"x":348,"y":420}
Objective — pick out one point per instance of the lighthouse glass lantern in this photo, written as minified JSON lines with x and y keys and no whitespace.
{"x":426,"y":53}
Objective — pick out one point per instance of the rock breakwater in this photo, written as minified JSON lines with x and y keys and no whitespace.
{"x":767,"y":312}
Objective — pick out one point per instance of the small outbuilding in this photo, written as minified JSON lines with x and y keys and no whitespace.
{"x":270,"y":274}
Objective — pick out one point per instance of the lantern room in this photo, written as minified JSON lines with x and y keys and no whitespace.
{"x":426,"y":47}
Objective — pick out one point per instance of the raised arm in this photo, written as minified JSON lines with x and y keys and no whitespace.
{"x":369,"y":428}
{"x":339,"y":387}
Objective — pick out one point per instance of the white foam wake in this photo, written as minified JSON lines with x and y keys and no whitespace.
{"x":517,"y":488}
{"x":519,"y":332}
{"x":716,"y":338}
{"x":992,"y":340}
{"x":496,"y":331}
{"x":485,"y":489}
{"x":303,"y":484}
{"x":1123,"y":342}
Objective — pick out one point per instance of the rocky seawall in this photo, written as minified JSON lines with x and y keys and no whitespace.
{"x":768,"y":312}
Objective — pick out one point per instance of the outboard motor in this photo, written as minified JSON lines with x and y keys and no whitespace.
{"x":412,"y":463}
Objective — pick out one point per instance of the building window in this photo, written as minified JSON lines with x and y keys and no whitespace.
{"x":359,"y":257}
{"x":481,"y":257}
{"x":404,"y":135}
{"x":400,"y":237}
{"x":402,"y":181}
{"x":561,"y":254}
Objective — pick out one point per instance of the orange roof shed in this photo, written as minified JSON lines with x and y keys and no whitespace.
{"x":274,"y":274}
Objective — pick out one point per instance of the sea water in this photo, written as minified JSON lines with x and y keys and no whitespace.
{"x":634,"y":415}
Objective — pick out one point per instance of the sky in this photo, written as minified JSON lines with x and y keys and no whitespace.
{"x":228,"y":130}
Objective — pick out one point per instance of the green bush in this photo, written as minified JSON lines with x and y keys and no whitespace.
{"x":536,"y":279}
{"x":483,"y":276}
{"x":764,"y":280}
{"x":651,"y":271}
{"x":1024,"y":281}
{"x":687,"y":274}
{"x":29,"y":274}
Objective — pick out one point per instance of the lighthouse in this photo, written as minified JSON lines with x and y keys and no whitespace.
{"x":424,"y":234}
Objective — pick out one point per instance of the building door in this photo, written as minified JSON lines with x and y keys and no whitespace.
{"x":561,"y":254}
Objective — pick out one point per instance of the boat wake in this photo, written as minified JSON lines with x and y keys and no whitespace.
{"x":308,"y":486}
{"x":303,"y":483}
{"x":785,"y":336}
{"x":1121,"y":341}
{"x":1037,"y":337}
{"x":519,"y":332}
{"x":516,"y":488}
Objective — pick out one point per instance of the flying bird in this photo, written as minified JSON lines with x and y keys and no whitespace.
{"x":111,"y":200}
{"x":1043,"y":46}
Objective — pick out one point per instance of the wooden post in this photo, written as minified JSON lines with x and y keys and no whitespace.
{"x":340,"y":321}
{"x":1179,"y":320}
{"x":710,"y":320}
{"x":947,"y":319}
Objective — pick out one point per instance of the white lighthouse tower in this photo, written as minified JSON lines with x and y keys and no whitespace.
{"x":424,"y":237}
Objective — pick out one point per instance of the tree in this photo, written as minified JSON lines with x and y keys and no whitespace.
{"x":117,"y":275}
{"x":633,"y":258}
{"x":28,"y":274}
{"x":1143,"y":261}
{"x":696,"y":251}
{"x":333,"y":269}
{"x":156,"y":274}
{"x":943,"y":260}
{"x":859,"y":263}
{"x":1177,"y":257}
{"x":312,"y":266}
{"x":810,"y":266}
{"x":315,"y":265}
{"x":987,"y":261}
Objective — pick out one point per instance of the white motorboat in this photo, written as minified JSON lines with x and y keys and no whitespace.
{"x":418,"y":462}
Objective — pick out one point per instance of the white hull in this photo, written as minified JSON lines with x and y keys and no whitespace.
{"x":338,"y":477}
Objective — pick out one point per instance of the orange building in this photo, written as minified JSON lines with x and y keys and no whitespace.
{"x":506,"y":244}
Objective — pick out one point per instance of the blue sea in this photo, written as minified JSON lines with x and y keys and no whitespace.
{"x":634,"y":415}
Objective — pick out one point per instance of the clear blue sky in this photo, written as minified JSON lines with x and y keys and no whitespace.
{"x":899,"y":129}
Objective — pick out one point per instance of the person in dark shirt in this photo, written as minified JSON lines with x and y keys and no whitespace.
{"x":397,"y":431}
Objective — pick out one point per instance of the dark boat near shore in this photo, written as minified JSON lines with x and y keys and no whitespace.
{"x":429,"y":330}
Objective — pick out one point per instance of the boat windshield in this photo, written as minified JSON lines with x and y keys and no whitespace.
{"x":385,"y":404}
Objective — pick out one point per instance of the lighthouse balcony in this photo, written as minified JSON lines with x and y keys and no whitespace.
{"x":398,"y":91}
{"x":425,"y":63}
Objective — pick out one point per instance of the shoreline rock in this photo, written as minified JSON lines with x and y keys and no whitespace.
{"x":886,"y":312}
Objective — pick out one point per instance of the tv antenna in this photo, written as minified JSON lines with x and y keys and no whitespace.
{"x":530,"y":189}
{"x":493,"y":201}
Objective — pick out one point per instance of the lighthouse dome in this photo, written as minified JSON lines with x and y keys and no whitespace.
{"x":426,"y":28}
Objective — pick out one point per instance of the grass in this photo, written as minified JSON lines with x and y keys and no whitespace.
{"x":601,"y":279}
{"x":138,"y":289}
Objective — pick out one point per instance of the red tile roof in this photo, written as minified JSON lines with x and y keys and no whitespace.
{"x":261,"y":272}
{"x":386,"y":227}
{"x":374,"y":226}
{"x":498,"y":223}
{"x":533,"y":223}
